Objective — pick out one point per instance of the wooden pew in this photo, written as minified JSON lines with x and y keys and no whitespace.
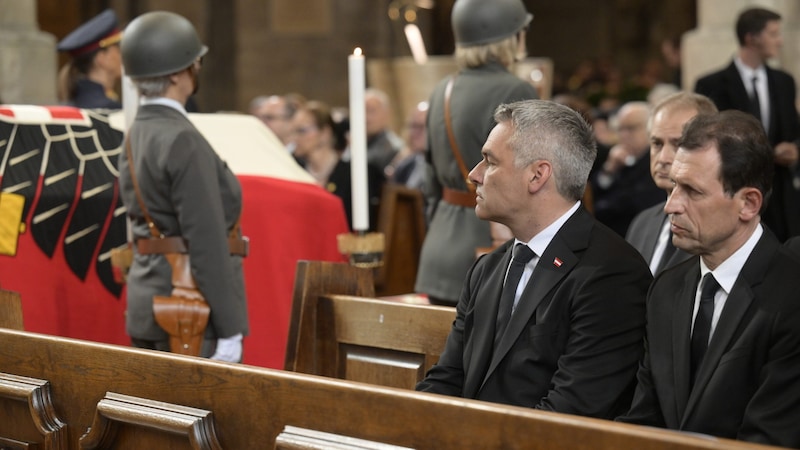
{"x":10,"y":310}
{"x":312,"y":279}
{"x":359,"y":338}
{"x":402,"y":222}
{"x":59,"y":393}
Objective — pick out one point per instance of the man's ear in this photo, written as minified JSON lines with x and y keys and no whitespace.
{"x":751,"y":201}
{"x":750,"y":39}
{"x":538,"y":173}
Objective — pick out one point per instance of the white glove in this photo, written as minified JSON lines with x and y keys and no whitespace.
{"x":229,"y":349}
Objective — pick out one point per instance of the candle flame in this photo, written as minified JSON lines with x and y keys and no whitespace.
{"x":357,"y":51}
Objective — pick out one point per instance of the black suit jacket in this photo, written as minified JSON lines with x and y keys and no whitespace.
{"x":793,"y":244}
{"x":748,"y":385}
{"x":726,"y":89}
{"x":644,"y":232}
{"x":575,"y":339}
{"x":633,"y":191}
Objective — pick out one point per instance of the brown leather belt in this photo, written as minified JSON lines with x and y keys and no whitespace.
{"x":459,"y":198}
{"x":176,"y":244}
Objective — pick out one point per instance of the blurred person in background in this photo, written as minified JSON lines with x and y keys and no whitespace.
{"x":91,"y":76}
{"x":490,"y":37}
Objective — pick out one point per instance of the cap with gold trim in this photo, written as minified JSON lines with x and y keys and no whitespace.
{"x":99,"y":32}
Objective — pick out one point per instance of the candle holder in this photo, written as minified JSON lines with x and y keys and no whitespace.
{"x":362,"y":249}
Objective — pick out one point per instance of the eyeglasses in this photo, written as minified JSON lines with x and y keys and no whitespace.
{"x":629,"y":128}
{"x":305,"y":130}
{"x":272,"y":117}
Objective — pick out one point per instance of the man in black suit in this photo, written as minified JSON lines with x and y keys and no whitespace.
{"x":649,"y":231}
{"x":622,"y":187}
{"x":750,"y":85}
{"x":723,"y":361}
{"x":793,"y":244}
{"x":562,"y":332}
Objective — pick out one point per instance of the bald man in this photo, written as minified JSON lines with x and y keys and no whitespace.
{"x":623,"y":187}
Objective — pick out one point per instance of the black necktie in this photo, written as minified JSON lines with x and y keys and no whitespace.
{"x":522,"y":254}
{"x":755,"y":104}
{"x":702,"y":322}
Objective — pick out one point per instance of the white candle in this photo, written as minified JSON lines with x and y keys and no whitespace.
{"x":358,"y":141}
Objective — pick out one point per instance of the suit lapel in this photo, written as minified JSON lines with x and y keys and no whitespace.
{"x":681,"y":330}
{"x":736,"y":306}
{"x":652,"y":232}
{"x":557,"y":261}
{"x":739,"y":97}
{"x":772,"y":132}
{"x":487,"y":300}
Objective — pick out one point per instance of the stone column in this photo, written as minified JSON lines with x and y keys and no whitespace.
{"x":27,"y":56}
{"x":713,"y":43}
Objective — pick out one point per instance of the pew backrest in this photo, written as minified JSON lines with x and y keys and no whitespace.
{"x":402,"y":222}
{"x":10,"y":310}
{"x":354,"y":337}
{"x":313,"y":279}
{"x":66,"y":390}
{"x":377,"y":341}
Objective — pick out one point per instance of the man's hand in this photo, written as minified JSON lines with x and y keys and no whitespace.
{"x":618,"y":158}
{"x":786,"y":154}
{"x":229,"y":349}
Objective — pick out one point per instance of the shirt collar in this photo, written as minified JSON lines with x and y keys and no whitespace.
{"x":727,"y":272}
{"x":540,"y":242}
{"x":747,"y":72}
{"x":164,"y":101}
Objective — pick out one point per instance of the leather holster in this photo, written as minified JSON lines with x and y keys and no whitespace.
{"x":183,"y":315}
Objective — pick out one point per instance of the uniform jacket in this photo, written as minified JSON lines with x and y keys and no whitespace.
{"x":454,"y":231}
{"x":748,"y":385}
{"x":575,"y":339}
{"x":90,"y":95}
{"x":726,"y":89}
{"x":189,"y":192}
{"x":644,"y":232}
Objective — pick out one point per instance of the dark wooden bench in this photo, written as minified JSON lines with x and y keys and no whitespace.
{"x":402,"y":222}
{"x":360,"y":338}
{"x":59,"y":393}
{"x":10,"y":310}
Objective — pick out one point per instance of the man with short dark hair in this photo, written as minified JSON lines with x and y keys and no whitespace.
{"x":748,"y":84}
{"x":722,"y":348}
{"x":649,"y":231}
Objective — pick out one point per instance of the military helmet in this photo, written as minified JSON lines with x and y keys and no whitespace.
{"x":480,"y":22}
{"x":159,"y":43}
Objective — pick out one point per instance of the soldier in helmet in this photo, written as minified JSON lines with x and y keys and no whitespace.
{"x":490,"y":37}
{"x":185,"y":187}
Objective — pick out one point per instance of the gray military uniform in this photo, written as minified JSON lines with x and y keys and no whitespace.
{"x":455,"y":231}
{"x":189,"y":192}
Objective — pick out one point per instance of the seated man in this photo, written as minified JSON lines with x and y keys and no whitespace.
{"x":561,"y":329}
{"x":649,"y":232}
{"x":722,"y":353}
{"x":623,"y":187}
